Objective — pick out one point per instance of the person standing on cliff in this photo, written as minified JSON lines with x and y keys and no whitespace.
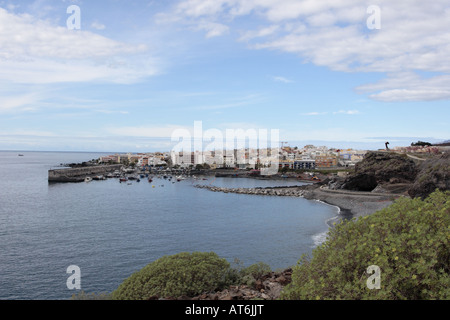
{"x":386,"y":144}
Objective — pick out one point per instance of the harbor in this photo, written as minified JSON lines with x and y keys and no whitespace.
{"x":123,"y":173}
{"x":111,"y":229}
{"x":88,"y":173}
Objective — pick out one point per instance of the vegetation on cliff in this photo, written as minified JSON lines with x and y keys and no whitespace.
{"x":176,"y":275}
{"x":186,"y":274}
{"x":409,"y":241}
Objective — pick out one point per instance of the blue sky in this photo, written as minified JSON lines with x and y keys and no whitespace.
{"x":137,"y":70}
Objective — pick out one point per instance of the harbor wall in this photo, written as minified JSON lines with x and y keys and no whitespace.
{"x":79,"y":174}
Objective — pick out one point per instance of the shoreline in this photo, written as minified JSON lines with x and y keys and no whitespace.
{"x":350,"y":204}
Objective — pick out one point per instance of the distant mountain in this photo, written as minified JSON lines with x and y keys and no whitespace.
{"x":445,"y":143}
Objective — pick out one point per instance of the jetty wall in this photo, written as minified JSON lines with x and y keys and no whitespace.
{"x":79,"y":174}
{"x":291,"y":191}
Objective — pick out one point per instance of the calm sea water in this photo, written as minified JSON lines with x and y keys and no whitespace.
{"x":111,"y":229}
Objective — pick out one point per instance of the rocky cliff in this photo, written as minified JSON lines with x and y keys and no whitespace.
{"x":433,"y":174}
{"x":397,"y":173}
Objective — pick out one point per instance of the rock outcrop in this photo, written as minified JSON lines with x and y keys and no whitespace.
{"x":433,"y":174}
{"x":397,"y":173}
{"x":376,"y":170}
{"x":266,"y":287}
{"x":360,"y":182}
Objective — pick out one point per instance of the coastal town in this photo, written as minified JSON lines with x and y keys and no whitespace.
{"x":310,"y":163}
{"x":309,"y":157}
{"x":291,"y":158}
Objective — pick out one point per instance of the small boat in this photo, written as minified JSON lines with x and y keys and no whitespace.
{"x":87,"y":179}
{"x":20,"y":155}
{"x":123,"y":179}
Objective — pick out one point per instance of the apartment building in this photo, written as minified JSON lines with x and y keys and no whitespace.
{"x":326,"y":161}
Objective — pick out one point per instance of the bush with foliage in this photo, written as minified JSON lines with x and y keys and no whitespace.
{"x":409,"y":241}
{"x":256,"y":270}
{"x":172,"y":276}
{"x":241,"y":275}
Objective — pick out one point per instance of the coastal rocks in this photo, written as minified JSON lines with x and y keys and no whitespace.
{"x":360,"y":182}
{"x":387,"y":167}
{"x":266,"y":287}
{"x":384,"y":172}
{"x":434,"y":174}
{"x":294,"y":191}
{"x":378,"y":168}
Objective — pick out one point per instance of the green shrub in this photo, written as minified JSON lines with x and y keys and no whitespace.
{"x":408,"y":241}
{"x":256,"y":270}
{"x":172,"y":276}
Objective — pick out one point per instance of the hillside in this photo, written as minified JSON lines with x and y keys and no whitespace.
{"x":397,"y":173}
{"x":432,"y":174}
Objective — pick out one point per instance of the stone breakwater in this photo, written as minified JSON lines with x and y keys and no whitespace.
{"x":291,"y":191}
{"x":79,"y":174}
{"x":351,"y":204}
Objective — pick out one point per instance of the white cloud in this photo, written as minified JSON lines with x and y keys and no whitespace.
{"x":45,"y":71}
{"x":263,"y":32}
{"x":243,"y":101}
{"x":415,"y":36}
{"x":24,"y":133}
{"x":397,"y":95}
{"x":145,"y":131}
{"x":213,"y":29}
{"x":98,"y":26}
{"x":34,"y":51}
{"x":314,"y":113}
{"x":197,"y":8}
{"x":282,"y":79}
{"x":409,"y":86}
{"x":348,"y":112}
{"x":9,"y":103}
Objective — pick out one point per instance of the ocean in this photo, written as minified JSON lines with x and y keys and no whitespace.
{"x":111,"y":230}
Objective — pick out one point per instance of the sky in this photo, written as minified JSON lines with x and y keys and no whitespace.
{"x":123,"y":76}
